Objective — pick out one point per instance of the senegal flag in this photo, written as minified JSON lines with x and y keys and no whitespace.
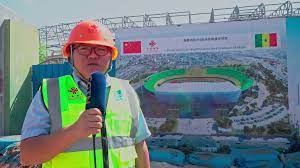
{"x":266,"y":40}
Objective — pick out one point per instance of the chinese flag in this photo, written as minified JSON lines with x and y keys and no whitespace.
{"x":132,"y":47}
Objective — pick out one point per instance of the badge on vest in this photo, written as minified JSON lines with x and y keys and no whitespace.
{"x":119,"y":95}
{"x":74,"y":93}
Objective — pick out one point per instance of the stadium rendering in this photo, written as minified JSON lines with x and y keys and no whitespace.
{"x":220,"y":85}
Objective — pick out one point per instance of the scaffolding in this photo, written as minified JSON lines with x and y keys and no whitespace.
{"x":53,"y":37}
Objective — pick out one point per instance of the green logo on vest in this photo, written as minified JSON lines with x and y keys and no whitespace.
{"x":118,"y":95}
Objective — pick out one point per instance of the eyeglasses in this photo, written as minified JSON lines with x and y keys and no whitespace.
{"x":87,"y":50}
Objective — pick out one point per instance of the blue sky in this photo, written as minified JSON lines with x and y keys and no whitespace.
{"x":49,"y":12}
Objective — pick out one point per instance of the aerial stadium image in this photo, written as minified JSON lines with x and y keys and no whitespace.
{"x":227,"y":97}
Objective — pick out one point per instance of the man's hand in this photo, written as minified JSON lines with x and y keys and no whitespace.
{"x":37,"y":150}
{"x":89,"y":122}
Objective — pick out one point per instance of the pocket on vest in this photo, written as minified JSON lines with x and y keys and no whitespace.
{"x":127,"y":157}
{"x":120,"y":125}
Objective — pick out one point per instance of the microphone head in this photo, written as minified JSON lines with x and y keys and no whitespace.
{"x":97,"y":92}
{"x":99,"y":78}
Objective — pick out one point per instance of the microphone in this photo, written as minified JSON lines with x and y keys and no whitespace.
{"x":97,"y":99}
{"x":96,"y":92}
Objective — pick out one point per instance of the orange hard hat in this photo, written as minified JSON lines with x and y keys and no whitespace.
{"x":90,"y":32}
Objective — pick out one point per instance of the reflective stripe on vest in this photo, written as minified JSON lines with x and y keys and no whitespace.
{"x":62,"y":97}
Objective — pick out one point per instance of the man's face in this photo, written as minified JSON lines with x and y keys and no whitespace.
{"x":91,"y":58}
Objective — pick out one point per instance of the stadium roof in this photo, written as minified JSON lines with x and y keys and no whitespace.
{"x":229,"y":74}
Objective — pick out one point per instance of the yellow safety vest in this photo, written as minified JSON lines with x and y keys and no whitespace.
{"x":65,"y":102}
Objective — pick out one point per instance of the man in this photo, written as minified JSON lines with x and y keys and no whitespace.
{"x":57,"y":129}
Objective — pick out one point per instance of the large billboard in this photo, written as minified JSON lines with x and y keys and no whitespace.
{"x":227,"y":78}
